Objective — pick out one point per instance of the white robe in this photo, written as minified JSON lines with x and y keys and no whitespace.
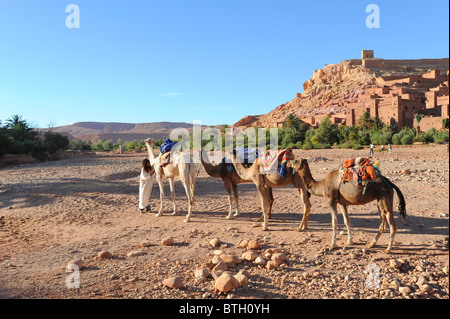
{"x":145,"y":188}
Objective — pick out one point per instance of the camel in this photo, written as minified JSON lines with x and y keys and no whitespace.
{"x":231,"y":179}
{"x":344,"y":194}
{"x":180,"y":165}
{"x":264,"y":182}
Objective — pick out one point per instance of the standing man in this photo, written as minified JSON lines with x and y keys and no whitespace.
{"x":371,"y":149}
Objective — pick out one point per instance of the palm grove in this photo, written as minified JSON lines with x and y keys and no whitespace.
{"x":18,"y":137}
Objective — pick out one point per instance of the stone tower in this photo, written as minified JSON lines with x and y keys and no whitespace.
{"x":367,"y":54}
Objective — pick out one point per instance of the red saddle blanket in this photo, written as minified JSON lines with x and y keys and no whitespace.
{"x":359,"y":168}
{"x":271,"y":160}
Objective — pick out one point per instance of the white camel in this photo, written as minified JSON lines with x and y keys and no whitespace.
{"x":180,"y":165}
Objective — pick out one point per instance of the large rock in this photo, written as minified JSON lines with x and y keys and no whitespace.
{"x":173,"y":282}
{"x":226,"y":282}
{"x":167,"y":241}
{"x":104,"y":255}
{"x":249,"y":255}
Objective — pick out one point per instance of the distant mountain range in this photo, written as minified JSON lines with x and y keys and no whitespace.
{"x":97,"y":131}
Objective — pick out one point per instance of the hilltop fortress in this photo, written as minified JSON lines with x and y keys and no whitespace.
{"x":393,"y":90}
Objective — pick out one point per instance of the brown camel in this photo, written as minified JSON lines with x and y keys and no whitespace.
{"x":350,"y":193}
{"x":230,"y":178}
{"x":264,"y":182}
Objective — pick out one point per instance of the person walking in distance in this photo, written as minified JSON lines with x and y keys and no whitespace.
{"x":390,"y":148}
{"x":371,"y":149}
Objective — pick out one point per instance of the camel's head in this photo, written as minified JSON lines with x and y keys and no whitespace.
{"x":298,"y":165}
{"x":149,"y":142}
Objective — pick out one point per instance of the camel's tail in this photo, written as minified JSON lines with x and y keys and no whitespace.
{"x":402,"y":204}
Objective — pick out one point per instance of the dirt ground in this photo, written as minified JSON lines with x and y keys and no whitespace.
{"x":75,"y":208}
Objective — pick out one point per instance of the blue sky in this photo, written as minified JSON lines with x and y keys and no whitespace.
{"x":142,"y":61}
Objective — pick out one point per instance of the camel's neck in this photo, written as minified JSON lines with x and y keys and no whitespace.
{"x":150,"y":154}
{"x":211,"y":170}
{"x":314,"y":187}
{"x":241,"y":170}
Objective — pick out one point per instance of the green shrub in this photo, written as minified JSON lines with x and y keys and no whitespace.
{"x":407,"y":139}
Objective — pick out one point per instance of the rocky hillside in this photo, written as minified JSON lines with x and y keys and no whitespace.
{"x":97,"y":131}
{"x":330,"y":88}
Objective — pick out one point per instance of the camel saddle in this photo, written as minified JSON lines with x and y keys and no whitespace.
{"x":275,"y":161}
{"x":358,"y":169}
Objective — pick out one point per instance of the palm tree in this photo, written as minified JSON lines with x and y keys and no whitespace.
{"x":418,"y":118}
{"x":14,"y":121}
{"x":445,"y":123}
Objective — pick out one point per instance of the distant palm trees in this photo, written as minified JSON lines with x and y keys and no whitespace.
{"x":418,"y":118}
{"x":19,"y":128}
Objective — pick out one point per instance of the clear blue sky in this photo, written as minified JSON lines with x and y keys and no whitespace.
{"x":141,"y":61}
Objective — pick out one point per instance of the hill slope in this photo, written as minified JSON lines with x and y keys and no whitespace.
{"x":96,"y":131}
{"x":331,"y":88}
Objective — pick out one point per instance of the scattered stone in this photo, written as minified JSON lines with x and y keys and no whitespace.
{"x":254,"y":244}
{"x":404,"y":290}
{"x":279,"y":258}
{"x":76,"y":262}
{"x":167,"y":241}
{"x":242,"y":279}
{"x":104,"y":255}
{"x":201,"y":274}
{"x":226,"y":282}
{"x":395,"y":263}
{"x":260,"y":261}
{"x":406,"y":172}
{"x":243,"y":243}
{"x":173,"y":282}
{"x":249,"y":255}
{"x":426,"y":289}
{"x":271,"y":264}
{"x":220,"y":266}
{"x":145,"y":244}
{"x":136,"y":253}
{"x":215,"y":242}
{"x":227,"y":258}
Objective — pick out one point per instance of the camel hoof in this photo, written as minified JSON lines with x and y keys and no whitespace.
{"x":370,"y":245}
{"x":387,"y":251}
{"x":236,"y":214}
{"x":159,"y":214}
{"x":175,"y":214}
{"x":331,"y":247}
{"x":228,"y":217}
{"x":187,"y":220}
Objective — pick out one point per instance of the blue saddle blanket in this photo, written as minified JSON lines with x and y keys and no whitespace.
{"x":167,"y":145}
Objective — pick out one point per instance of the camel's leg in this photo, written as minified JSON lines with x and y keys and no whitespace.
{"x":187,"y":178}
{"x":306,"y":208}
{"x":392,"y":225}
{"x":347,"y":224}
{"x":263,"y":195}
{"x":230,"y":200}
{"x":382,"y":227}
{"x":236,"y":199}
{"x":271,"y":200}
{"x":172,"y":193}
{"x":161,"y":194}
{"x":334,"y":221}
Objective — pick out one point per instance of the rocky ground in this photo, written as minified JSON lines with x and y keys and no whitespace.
{"x":81,"y":207}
